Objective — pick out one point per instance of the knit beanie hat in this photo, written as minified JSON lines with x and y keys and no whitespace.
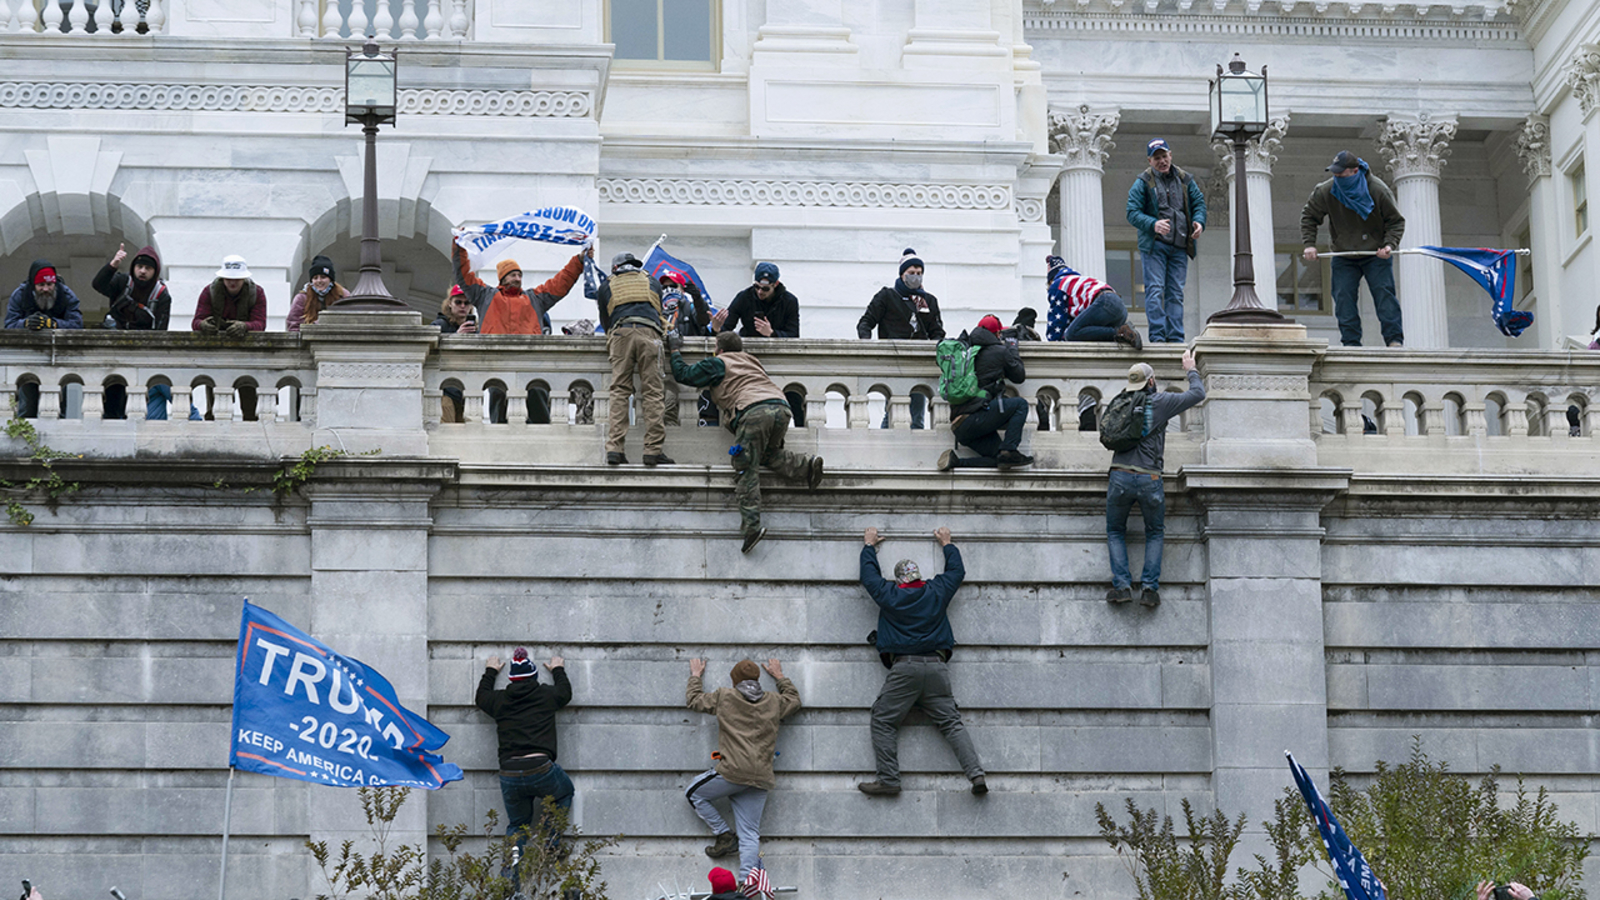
{"x":722,"y":881}
{"x":521,"y":665}
{"x":992,"y":323}
{"x":1026,"y":316}
{"x":909,"y":259}
{"x":505,"y":267}
{"x":906,"y":570}
{"x":321,"y":265}
{"x":745,"y":670}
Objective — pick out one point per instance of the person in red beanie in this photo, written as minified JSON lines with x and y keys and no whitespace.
{"x":977,"y":423}
{"x":723,"y":885}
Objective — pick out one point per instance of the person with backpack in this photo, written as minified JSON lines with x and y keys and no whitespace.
{"x":1134,"y":426}
{"x":973,"y":371}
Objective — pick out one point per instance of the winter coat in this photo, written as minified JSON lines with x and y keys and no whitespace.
{"x":306,"y":305}
{"x":996,"y":364}
{"x":1383,"y":227}
{"x":1148,"y":454}
{"x":781,"y":310}
{"x":134,"y":306}
{"x":896,"y":316}
{"x":23,"y":303}
{"x":525,"y":712}
{"x":913,"y":620}
{"x":250,"y":306}
{"x":1144,"y":207}
{"x":525,"y":312}
{"x":747,"y":733}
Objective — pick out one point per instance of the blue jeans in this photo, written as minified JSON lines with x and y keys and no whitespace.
{"x":524,"y":798}
{"x":1126,"y":489}
{"x":919,"y":405}
{"x":979,"y":431}
{"x":1347,"y":275}
{"x":1165,"y":268}
{"x":1100,"y":321}
{"x":156,"y":398}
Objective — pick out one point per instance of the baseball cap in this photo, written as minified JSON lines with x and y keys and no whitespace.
{"x":1157,"y":144}
{"x":1345,"y":160}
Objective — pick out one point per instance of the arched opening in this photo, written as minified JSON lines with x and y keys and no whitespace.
{"x":494,"y":401}
{"x":837,"y":407}
{"x":453,"y":402}
{"x":1371,"y":413}
{"x":1538,"y":408}
{"x":1089,"y":409}
{"x":1577,"y":415}
{"x":795,"y":393}
{"x":1411,"y":409}
{"x":75,"y":246}
{"x":1494,"y":413}
{"x":1048,"y":404}
{"x":158,"y":399}
{"x":288,"y":399}
{"x":580,"y":404}
{"x":114,"y":397}
{"x":415,"y":260}
{"x":1329,"y":409}
{"x":246,"y":400}
{"x":538,"y":402}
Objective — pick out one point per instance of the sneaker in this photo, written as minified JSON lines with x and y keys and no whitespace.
{"x":979,"y":786}
{"x":1119,"y":595}
{"x":750,"y":540}
{"x":1397,"y":343}
{"x":1150,"y":598}
{"x":814,"y":478}
{"x":1127,"y":335}
{"x":947,"y":460}
{"x":658,"y":459}
{"x":614,"y":458}
{"x":878,"y":789}
{"x":1012,"y":458}
{"x":726,"y":844}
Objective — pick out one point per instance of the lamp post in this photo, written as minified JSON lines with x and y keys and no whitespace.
{"x":1238,"y":113}
{"x":369,"y":100}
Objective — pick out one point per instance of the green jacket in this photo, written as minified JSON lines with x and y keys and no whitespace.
{"x":1143,"y":207}
{"x":1346,"y":230}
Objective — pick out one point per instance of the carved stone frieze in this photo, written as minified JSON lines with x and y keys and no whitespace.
{"x":1084,"y":137}
{"x":1030,"y":210}
{"x":1416,"y":146}
{"x":1253,"y":384}
{"x":718,"y":192}
{"x":295,"y":99}
{"x":365,"y":374}
{"x":1533,"y":146}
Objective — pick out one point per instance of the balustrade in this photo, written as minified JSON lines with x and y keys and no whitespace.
{"x":94,"y":18}
{"x":398,"y":20}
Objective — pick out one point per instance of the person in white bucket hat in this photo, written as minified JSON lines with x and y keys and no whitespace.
{"x":233,"y":305}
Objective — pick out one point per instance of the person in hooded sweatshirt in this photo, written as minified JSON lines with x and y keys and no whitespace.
{"x":320,"y":292}
{"x":232,"y":305}
{"x":991,"y":424}
{"x":525,"y":723}
{"x":747,"y":739}
{"x":40,"y":303}
{"x":904,"y":312}
{"x":139,"y":299}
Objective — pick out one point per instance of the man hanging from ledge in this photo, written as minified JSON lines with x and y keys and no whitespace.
{"x":914,"y":641}
{"x":752,"y":406}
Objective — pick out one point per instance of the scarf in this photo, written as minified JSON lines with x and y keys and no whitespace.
{"x":751,"y":690}
{"x":1351,"y":190}
{"x":904,"y":289}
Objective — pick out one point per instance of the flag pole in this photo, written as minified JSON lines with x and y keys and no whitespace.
{"x":1337,"y":253}
{"x":227,"y":815}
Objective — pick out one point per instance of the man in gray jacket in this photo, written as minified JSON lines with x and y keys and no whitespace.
{"x":1362,"y":216}
{"x":1136,"y":478}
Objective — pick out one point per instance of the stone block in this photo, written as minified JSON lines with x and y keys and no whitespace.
{"x":1133,"y":749}
{"x":17,"y":810}
{"x":1255,"y":735}
{"x":1267,"y":672}
{"x":74,"y":745}
{"x":1485,"y":687}
{"x":1234,"y":557}
{"x":131,"y":680}
{"x":1509,"y":621}
{"x":369,"y":549}
{"x":1247,"y":609}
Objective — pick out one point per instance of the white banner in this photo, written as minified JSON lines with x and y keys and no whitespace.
{"x":552,"y":224}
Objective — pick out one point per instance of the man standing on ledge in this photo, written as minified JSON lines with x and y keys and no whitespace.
{"x":1169,"y":211}
{"x":915,"y":642}
{"x":1362,"y":215}
{"x":629,"y":304}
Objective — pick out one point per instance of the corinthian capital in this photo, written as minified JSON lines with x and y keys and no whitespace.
{"x":1583,"y":77}
{"x":1260,"y":152}
{"x":1533,"y":146}
{"x":1083,"y":137}
{"x":1416,"y":146}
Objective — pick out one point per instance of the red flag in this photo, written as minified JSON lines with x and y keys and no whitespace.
{"x":756,"y":884}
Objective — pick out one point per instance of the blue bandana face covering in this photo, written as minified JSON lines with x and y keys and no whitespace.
{"x":1351,"y":191}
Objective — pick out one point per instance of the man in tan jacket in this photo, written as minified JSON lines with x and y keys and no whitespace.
{"x":747,"y":740}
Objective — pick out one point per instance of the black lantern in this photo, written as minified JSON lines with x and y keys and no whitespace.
{"x":369,"y":86}
{"x":1238,"y":101}
{"x":1238,"y":113}
{"x":369,"y":101}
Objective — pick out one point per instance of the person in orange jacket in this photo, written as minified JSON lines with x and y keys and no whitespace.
{"x":508,"y":309}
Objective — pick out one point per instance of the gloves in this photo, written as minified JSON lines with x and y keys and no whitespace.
{"x":38,"y":321}
{"x":209,"y":327}
{"x":237,"y":331}
{"x":674,"y":342}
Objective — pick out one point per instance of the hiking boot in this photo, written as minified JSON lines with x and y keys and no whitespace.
{"x":1150,"y":598}
{"x":1127,"y":335}
{"x":1012,"y":458}
{"x":947,"y":460}
{"x":1119,"y":595}
{"x":726,"y":844}
{"x":979,"y":786}
{"x":658,"y":459}
{"x":878,"y":789}
{"x":615,"y":458}
{"x":814,"y":477}
{"x":750,"y":540}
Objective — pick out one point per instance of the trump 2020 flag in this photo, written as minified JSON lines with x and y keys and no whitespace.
{"x":1496,"y":271}
{"x":1355,"y":876}
{"x":303,"y":711}
{"x":659,"y":262}
{"x":552,"y":224}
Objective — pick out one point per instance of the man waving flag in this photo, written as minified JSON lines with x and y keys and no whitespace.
{"x":1355,"y":876}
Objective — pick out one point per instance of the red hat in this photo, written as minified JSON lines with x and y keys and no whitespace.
{"x":722,"y":881}
{"x":677,"y":278}
{"x":45,"y":275}
{"x":456,"y":291}
{"x":991,"y":323}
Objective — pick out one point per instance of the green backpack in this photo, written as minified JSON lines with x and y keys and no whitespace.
{"x":1128,"y":418}
{"x":958,"y":371}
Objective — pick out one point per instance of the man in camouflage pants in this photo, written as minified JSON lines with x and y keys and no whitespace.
{"x":754,"y":408}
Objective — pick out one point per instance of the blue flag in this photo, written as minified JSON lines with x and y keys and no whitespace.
{"x":660,"y":262}
{"x":1496,"y":272}
{"x":302,"y":711}
{"x":1355,"y":876}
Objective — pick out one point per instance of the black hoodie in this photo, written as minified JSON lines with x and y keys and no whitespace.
{"x":24,"y":304}
{"x":136,"y":305}
{"x":525,"y":712}
{"x":995,"y":365}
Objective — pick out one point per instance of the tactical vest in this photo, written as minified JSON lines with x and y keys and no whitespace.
{"x":631,"y":287}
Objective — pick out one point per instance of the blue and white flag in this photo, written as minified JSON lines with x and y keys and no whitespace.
{"x":552,"y":224}
{"x":1496,"y":272}
{"x":1355,"y":876}
{"x":659,"y":262}
{"x":303,"y":711}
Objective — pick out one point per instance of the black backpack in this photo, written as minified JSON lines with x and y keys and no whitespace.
{"x":1128,"y":418}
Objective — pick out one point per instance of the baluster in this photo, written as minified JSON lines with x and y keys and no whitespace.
{"x":266,"y":405}
{"x":94,"y":403}
{"x":383,"y":22}
{"x":14,"y":14}
{"x":458,"y":20}
{"x":8,"y":398}
{"x":101,"y":17}
{"x":308,"y":20}
{"x":49,"y":402}
{"x":221,"y":404}
{"x":1474,"y":413}
{"x":816,"y":408}
{"x":433,"y":23}
{"x":517,"y":407}
{"x":52,"y":17}
{"x":330,"y":21}
{"x":432,"y":408}
{"x":1431,"y":418}
{"x":358,"y":18}
{"x":856,"y":411}
{"x":473,"y":414}
{"x":900,"y":412}
{"x":155,"y":17}
{"x":78,"y":17}
{"x":1516,"y":416}
{"x":1590,"y":420}
{"x":560,"y":404}
{"x":408,"y":20}
{"x":182,"y":399}
{"x":602,"y":407}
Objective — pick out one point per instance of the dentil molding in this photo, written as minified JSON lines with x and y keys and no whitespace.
{"x":296,"y":99}
{"x":717,"y":192}
{"x":1416,"y":146}
{"x":1083,"y":137}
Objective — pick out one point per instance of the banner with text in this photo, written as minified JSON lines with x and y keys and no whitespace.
{"x":552,"y":224}
{"x":303,"y":711}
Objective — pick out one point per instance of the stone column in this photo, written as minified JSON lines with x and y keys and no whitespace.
{"x":369,"y":380}
{"x":1083,"y":138}
{"x":1583,"y":77}
{"x":1544,"y":235}
{"x":1259,"y":155}
{"x":1415,"y":148}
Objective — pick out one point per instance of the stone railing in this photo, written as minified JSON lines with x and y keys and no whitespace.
{"x":544,"y":399}
{"x":400,"y":20}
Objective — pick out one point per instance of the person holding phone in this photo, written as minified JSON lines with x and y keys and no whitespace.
{"x":457,"y":315}
{"x":1488,"y":890}
{"x":764,"y":309}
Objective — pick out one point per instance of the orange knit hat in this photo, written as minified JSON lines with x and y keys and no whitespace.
{"x":505,"y":267}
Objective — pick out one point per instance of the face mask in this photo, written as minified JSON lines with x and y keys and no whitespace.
{"x":913,"y":280}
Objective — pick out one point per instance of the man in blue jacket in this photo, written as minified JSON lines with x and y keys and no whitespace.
{"x":914,"y":640}
{"x":1169,"y":210}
